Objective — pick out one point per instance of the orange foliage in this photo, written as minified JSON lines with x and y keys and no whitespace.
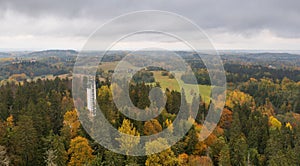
{"x":210,"y":139}
{"x":218,"y":131}
{"x":200,"y":160}
{"x":152,"y":127}
{"x":183,"y":159}
{"x":200,"y":148}
{"x":226,"y":118}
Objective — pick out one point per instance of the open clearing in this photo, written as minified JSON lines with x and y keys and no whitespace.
{"x":172,"y":84}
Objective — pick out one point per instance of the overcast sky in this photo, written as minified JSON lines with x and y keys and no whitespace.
{"x":230,"y":24}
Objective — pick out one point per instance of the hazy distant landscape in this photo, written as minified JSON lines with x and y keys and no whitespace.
{"x":41,"y":64}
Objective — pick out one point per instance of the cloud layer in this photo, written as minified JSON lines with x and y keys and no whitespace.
{"x":231,"y":24}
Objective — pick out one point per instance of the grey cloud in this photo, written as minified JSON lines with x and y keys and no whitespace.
{"x":233,"y":16}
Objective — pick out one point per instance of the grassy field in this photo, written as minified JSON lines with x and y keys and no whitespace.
{"x":109,"y":65}
{"x":51,"y":77}
{"x":172,"y":84}
{"x":6,"y":59}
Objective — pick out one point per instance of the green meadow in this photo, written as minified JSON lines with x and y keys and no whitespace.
{"x":172,"y":84}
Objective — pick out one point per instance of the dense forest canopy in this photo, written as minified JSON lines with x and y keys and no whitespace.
{"x":260,"y":124}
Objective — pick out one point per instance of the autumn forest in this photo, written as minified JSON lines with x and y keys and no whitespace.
{"x":259,"y":125}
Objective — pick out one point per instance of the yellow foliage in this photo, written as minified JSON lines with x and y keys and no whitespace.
{"x":71,"y":120}
{"x":169,"y":124}
{"x":10,"y":121}
{"x":156,"y":145}
{"x":288,"y":125}
{"x":128,"y":142}
{"x":275,"y":122}
{"x":105,"y":93}
{"x":239,"y":98}
{"x":80,"y":152}
{"x":164,"y":158}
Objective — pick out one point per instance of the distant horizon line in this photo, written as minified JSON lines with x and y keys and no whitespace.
{"x":7,"y":50}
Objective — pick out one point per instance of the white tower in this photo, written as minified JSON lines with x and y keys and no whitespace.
{"x":91,"y":96}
